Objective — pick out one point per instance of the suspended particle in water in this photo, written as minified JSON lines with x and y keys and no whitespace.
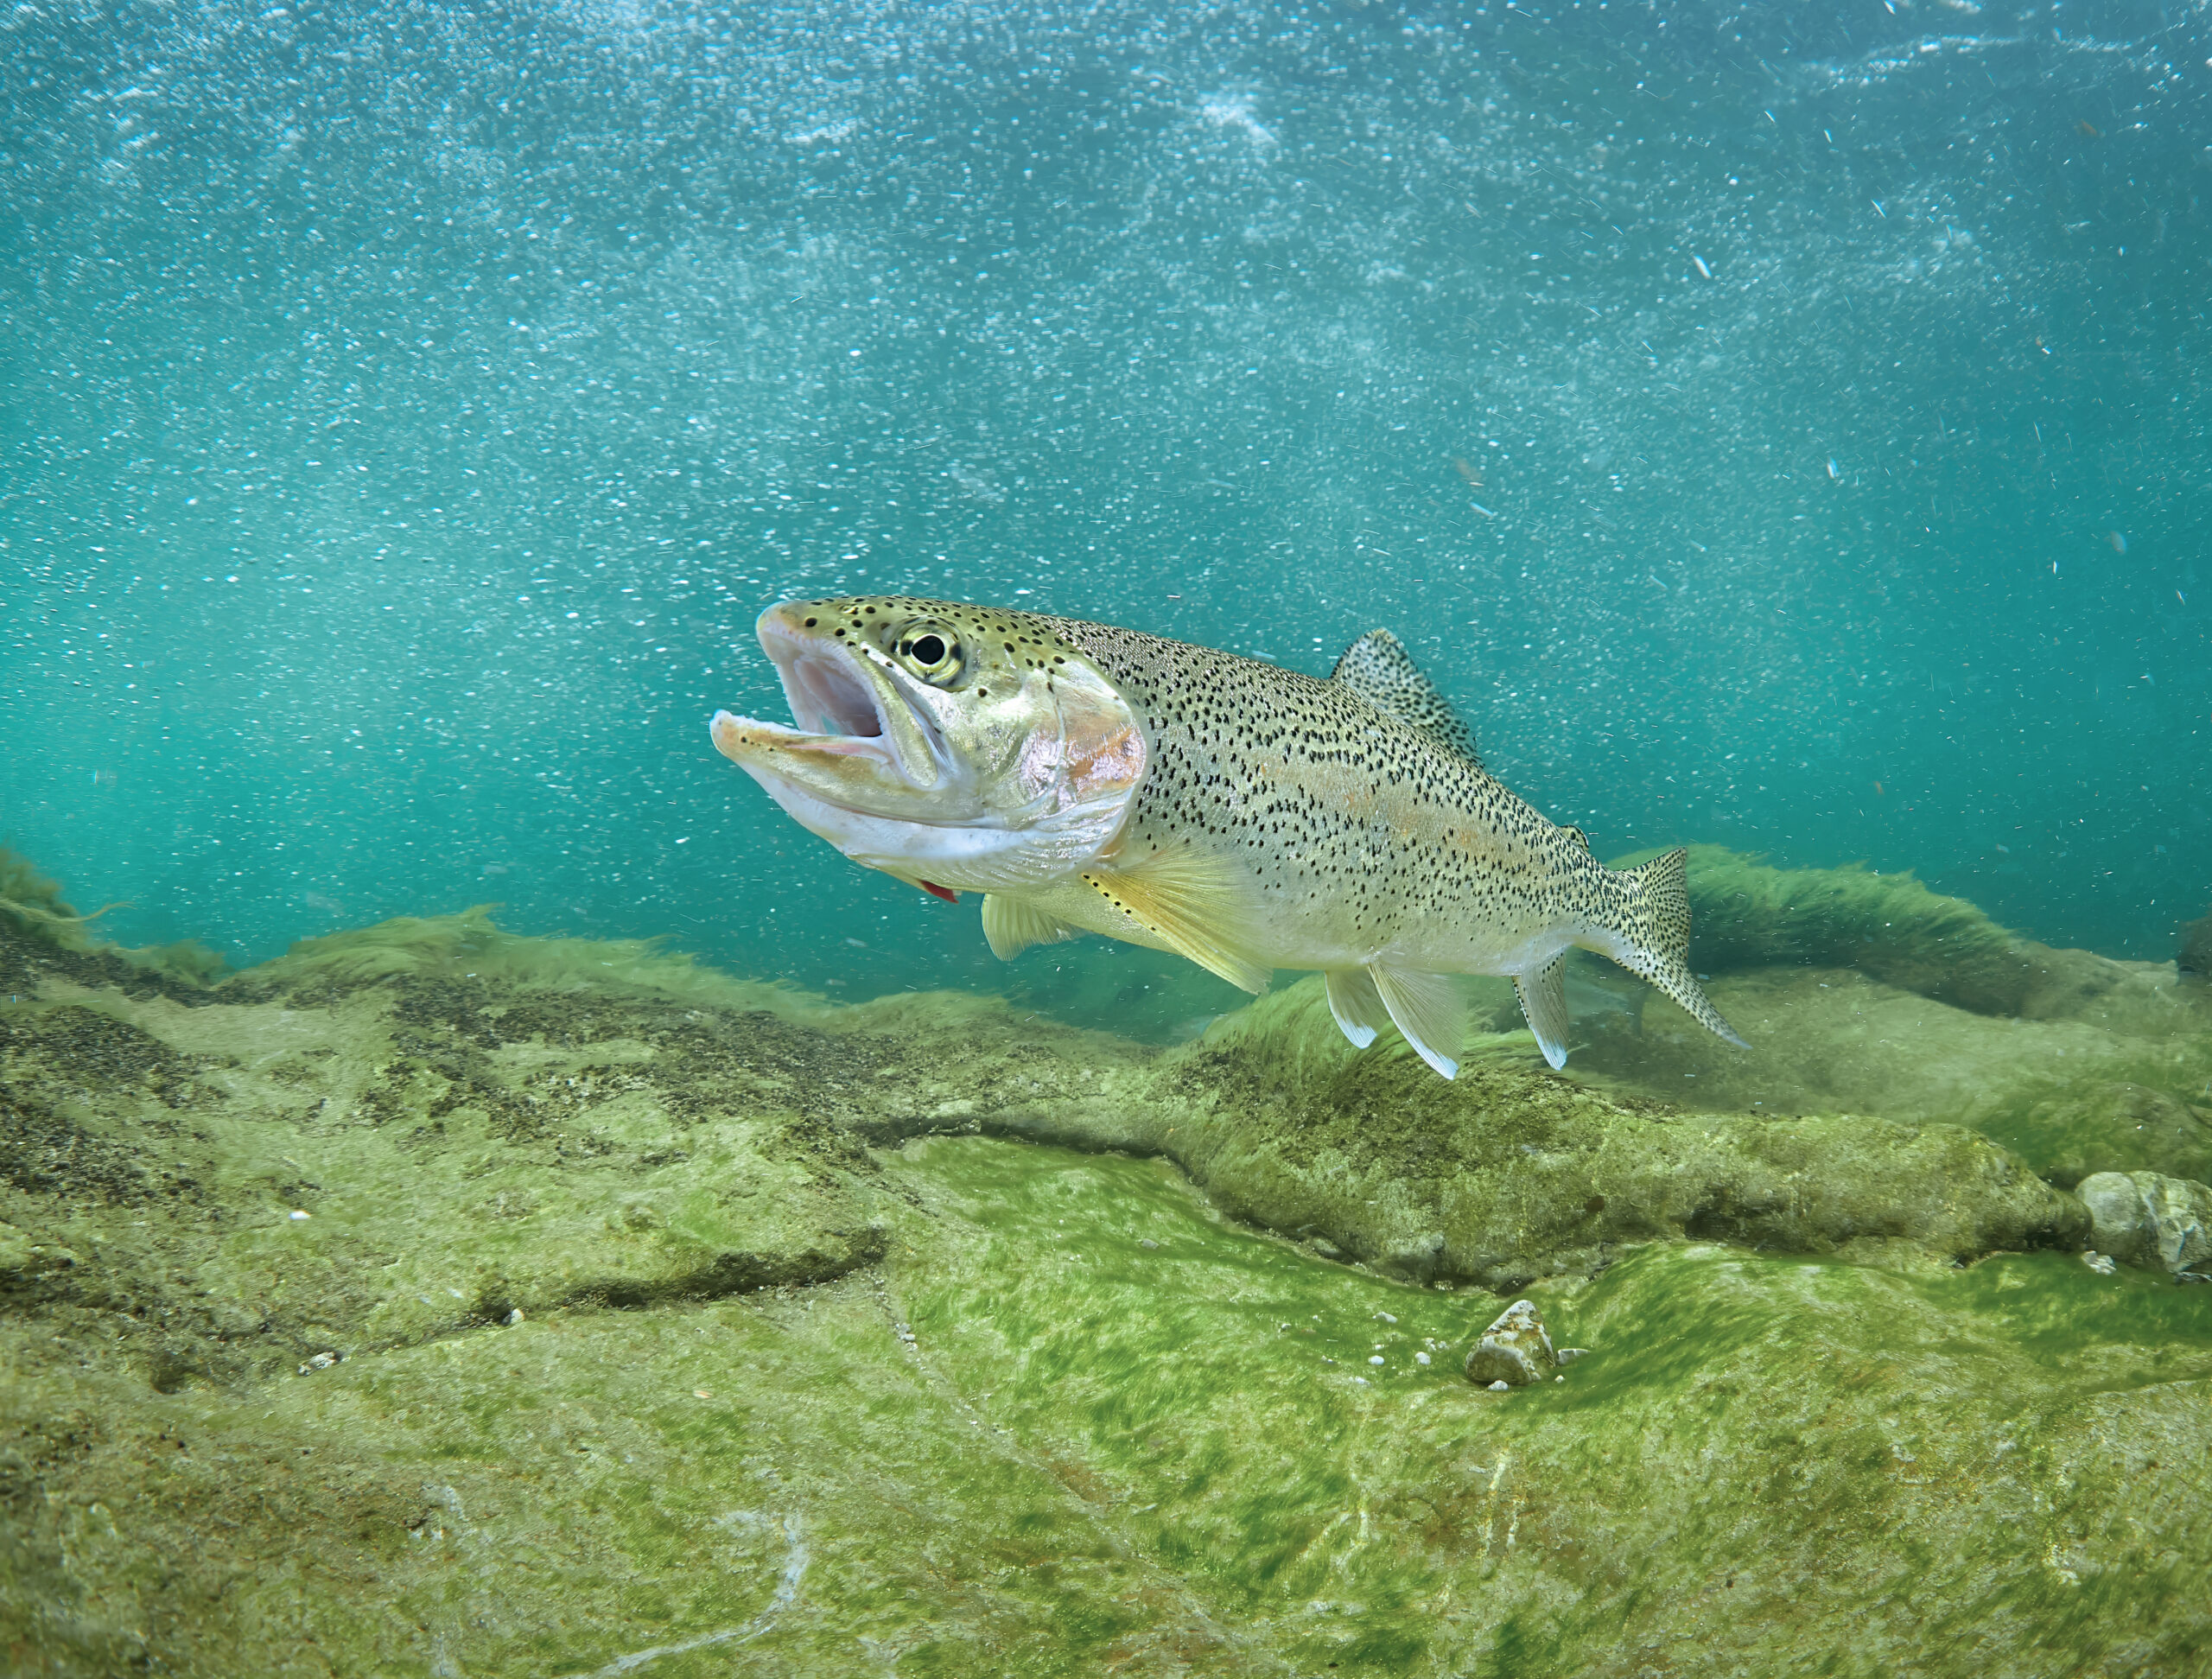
{"x":2118,"y":539}
{"x":1701,"y":268}
{"x":1835,"y":468}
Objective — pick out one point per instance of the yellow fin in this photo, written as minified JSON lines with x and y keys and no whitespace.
{"x":1012,"y":925}
{"x":1188,"y":901}
{"x":1425,"y":1008}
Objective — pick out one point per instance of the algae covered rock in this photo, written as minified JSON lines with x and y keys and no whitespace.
{"x":1745,"y":914}
{"x":313,"y":1160}
{"x":2196,"y":955}
{"x":1510,"y":1173}
{"x":2146,"y":1218}
{"x":435,"y":1301}
{"x":2111,"y":1125}
{"x":1514,"y":1350}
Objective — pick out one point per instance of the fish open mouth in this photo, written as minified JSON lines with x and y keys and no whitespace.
{"x":848,"y":705}
{"x":826,"y":696}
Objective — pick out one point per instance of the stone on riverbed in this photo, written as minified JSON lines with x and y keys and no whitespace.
{"x":1514,"y":1350}
{"x":2147,"y":1219}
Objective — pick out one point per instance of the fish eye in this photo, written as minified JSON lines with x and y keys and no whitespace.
{"x":930,"y":651}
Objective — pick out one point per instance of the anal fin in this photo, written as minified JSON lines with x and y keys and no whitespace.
{"x":1425,"y":1008}
{"x":1543,"y":999}
{"x":1357,"y":1005}
{"x":1190,"y":902}
{"x":1012,"y":925}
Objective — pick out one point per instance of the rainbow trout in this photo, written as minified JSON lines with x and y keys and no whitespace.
{"x":1086,"y":779}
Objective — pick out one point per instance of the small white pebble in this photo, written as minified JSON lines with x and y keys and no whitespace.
{"x":1377,"y":1359}
{"x":1421,"y":1358}
{"x":514,"y":1317}
{"x":1559,"y":1378}
{"x":456,"y":1293}
{"x":297,"y":1213}
{"x":1362,"y":1380}
{"x":1499,"y":1387}
{"x":2102,"y":1265}
{"x":1388,"y":1317}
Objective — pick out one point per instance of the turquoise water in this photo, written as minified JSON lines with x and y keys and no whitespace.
{"x":1786,"y":427}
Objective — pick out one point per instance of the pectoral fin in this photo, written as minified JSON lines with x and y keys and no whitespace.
{"x":1012,"y":925}
{"x":1190,"y":902}
{"x":1427,"y":1009}
{"x":1357,"y":1004}
{"x":1543,"y":999}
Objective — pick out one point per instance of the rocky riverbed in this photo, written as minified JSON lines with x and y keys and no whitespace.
{"x":436,"y":1301}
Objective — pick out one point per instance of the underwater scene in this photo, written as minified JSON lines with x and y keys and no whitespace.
{"x":1283,"y":839}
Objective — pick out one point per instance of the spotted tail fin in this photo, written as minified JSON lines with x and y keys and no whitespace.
{"x":1651,"y":937}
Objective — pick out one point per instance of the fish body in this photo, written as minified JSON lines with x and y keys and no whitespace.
{"x":1087,"y":778}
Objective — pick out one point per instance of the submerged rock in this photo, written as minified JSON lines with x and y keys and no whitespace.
{"x":2113,"y":1125}
{"x":1510,"y":1172}
{"x":1514,"y":1350}
{"x":2147,"y":1219}
{"x":2195,"y":958}
{"x":936,"y":1392}
{"x":1745,"y":914}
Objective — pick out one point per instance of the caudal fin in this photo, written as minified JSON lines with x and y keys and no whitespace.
{"x":1653,"y":935}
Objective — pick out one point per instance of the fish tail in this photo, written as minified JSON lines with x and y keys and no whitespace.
{"x":1651,"y":936}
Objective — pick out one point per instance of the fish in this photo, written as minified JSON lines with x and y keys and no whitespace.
{"x":1088,"y":778}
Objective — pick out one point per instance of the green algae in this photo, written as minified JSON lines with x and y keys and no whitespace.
{"x":1892,"y":928}
{"x":1509,"y":1172}
{"x":1121,"y":1433}
{"x":646,"y":1316}
{"x":469,"y":946}
{"x":1391,"y":1517}
{"x":31,"y":904}
{"x":2071,"y":1096}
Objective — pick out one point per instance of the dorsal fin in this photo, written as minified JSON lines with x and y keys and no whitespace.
{"x":1378,"y":669}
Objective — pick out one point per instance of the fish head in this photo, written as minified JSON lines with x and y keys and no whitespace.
{"x":957,"y":746}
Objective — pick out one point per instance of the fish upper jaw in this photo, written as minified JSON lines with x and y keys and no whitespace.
{"x":846,"y":689}
{"x":858,"y":737}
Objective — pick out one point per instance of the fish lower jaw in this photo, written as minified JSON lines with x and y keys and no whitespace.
{"x":742,"y":739}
